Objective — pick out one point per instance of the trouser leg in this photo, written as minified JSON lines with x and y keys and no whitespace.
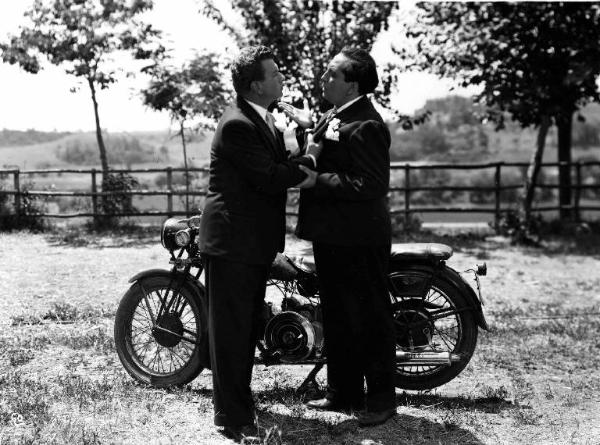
{"x":358,"y":323}
{"x":236,"y":293}
{"x":380,"y":348}
{"x":341,"y":327}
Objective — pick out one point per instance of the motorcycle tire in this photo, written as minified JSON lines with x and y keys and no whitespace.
{"x":428,"y":377}
{"x":133,"y":328}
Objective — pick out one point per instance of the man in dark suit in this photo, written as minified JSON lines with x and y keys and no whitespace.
{"x":346,"y":217}
{"x":242,"y":228}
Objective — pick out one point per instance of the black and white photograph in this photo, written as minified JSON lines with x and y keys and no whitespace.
{"x":299,"y":222}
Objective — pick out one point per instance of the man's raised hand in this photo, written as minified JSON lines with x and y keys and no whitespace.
{"x":302,"y":116}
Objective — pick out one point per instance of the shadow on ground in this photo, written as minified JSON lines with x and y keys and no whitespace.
{"x":307,"y":426}
{"x":400,"y":429}
{"x":482,"y":404}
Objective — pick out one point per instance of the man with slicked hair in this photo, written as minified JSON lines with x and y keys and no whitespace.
{"x":242,"y":228}
{"x":347,"y":219}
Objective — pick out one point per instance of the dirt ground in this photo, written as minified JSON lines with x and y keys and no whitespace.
{"x":534,"y":377}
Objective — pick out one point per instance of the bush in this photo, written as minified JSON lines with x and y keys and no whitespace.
{"x":591,"y":176}
{"x":512,"y":225}
{"x":427,"y":177}
{"x":509,"y":178}
{"x":119,"y":201}
{"x":401,"y":225}
{"x":30,"y":209}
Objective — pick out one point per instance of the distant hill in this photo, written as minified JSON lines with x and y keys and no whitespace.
{"x":79,"y":150}
{"x":453,"y":133}
{"x":10,"y":138}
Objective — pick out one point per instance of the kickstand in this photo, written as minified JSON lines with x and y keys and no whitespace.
{"x":309,"y":386}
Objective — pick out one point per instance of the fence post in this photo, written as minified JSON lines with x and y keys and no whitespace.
{"x":577,"y":191}
{"x":17,"y":187}
{"x":406,"y":197}
{"x":170,"y":188}
{"x":94,"y":196}
{"x":497,"y":184}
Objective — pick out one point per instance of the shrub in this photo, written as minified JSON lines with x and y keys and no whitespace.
{"x":512,"y":225}
{"x":119,"y":201}
{"x":401,"y":225}
{"x":509,"y":178}
{"x":30,"y":209}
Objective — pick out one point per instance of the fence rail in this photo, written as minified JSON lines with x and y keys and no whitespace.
{"x":406,"y":190}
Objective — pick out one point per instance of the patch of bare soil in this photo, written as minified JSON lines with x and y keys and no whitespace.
{"x":534,"y":377}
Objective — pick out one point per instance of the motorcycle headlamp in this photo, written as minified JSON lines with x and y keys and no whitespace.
{"x":169,"y":229}
{"x":183,"y":237}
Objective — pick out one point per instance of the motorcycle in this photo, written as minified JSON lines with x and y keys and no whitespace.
{"x":161,"y":333}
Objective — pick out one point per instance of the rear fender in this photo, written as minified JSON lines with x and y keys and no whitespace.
{"x":427,"y":270}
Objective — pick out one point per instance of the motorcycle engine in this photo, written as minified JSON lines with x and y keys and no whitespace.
{"x":294,"y":335}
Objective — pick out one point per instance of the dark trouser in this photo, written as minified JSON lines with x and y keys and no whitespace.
{"x":236,"y":293}
{"x":358,"y":324}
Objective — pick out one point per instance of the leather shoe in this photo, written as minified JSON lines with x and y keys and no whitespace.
{"x":325,"y":404}
{"x":245,"y":434}
{"x":372,"y":418}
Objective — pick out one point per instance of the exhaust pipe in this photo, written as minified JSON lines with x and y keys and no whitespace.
{"x":404,"y":358}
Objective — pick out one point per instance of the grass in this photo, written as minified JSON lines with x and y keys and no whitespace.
{"x":533,"y":378}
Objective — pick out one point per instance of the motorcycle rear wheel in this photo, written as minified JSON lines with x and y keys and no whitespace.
{"x":165,"y":353}
{"x":456,"y":333}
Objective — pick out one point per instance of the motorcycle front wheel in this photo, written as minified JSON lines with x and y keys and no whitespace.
{"x":435,"y":322}
{"x":158,"y":343}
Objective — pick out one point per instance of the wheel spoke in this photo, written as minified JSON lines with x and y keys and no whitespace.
{"x":152,"y":327}
{"x":183,"y":306}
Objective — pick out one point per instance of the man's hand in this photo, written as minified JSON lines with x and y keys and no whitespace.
{"x":313,"y":148}
{"x":310,"y":179}
{"x":302,"y":117}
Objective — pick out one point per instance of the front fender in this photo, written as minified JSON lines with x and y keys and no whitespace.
{"x":188,"y":280}
{"x":453,"y":278}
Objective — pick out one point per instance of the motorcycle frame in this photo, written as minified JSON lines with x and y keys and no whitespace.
{"x":180,"y":275}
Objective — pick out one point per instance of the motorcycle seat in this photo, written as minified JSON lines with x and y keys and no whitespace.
{"x":424,"y":251}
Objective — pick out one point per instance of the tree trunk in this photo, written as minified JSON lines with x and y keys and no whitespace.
{"x":534,"y":169}
{"x":100,"y":221}
{"x":187,"y":179}
{"x":564,"y":125}
{"x":99,"y":139}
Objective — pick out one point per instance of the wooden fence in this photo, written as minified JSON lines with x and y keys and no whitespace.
{"x":406,"y":191}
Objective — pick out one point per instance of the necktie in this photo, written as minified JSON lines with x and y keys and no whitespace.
{"x":322,"y":128}
{"x":271,"y":123}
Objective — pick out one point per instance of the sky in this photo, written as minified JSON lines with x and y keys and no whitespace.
{"x":44,"y":102}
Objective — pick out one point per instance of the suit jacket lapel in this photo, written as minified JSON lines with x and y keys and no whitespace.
{"x":321,"y":126}
{"x":265,"y":131}
{"x":360,"y":104}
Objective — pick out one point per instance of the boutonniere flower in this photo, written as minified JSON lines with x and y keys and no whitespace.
{"x":332,"y":132}
{"x":288,"y":128}
{"x":334,"y":124}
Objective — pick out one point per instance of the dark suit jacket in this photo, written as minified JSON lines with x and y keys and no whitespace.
{"x":244,"y":212}
{"x":348,"y":206}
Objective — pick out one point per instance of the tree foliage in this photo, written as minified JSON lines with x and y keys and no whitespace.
{"x":306,"y":34}
{"x":531,"y":59}
{"x":536,"y":61}
{"x":81,"y":36}
{"x":195,"y":91}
